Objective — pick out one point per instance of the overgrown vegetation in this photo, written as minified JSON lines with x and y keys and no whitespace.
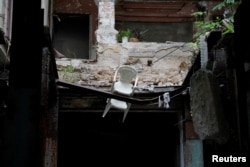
{"x":224,"y":23}
{"x":68,"y":74}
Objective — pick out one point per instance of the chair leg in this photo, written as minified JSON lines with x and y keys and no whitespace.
{"x":106,"y":109}
{"x":126,"y":112}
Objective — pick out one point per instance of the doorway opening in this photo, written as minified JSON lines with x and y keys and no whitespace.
{"x":150,"y":139}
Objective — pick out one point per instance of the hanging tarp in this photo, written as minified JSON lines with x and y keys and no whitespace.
{"x":207,"y":107}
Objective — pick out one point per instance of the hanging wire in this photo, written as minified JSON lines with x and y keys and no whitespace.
{"x":193,"y":39}
{"x":171,"y":97}
{"x":169,"y":53}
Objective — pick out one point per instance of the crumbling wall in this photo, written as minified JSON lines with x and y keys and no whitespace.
{"x":161,"y":64}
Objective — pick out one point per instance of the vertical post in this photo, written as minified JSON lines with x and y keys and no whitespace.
{"x":193,"y":153}
{"x":22,"y":120}
{"x":242,"y":57}
{"x":193,"y":146}
{"x":49,"y":105}
{"x":2,"y":7}
{"x":106,"y":32}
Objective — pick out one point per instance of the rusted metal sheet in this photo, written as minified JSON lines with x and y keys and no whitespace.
{"x":190,"y":133}
{"x":189,"y":130}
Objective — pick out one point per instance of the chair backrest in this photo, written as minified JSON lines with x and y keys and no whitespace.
{"x":126,"y":74}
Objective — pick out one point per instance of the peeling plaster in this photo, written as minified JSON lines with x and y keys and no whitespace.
{"x":169,"y":71}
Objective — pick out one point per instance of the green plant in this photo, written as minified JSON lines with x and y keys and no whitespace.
{"x":227,"y":3}
{"x":225,"y":24}
{"x":205,"y":26}
{"x":68,"y":73}
{"x":123,"y":33}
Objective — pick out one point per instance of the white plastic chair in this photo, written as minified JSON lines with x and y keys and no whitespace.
{"x":124,"y":82}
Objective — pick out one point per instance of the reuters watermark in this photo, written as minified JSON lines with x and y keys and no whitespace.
{"x":217,"y":158}
{"x":228,"y":160}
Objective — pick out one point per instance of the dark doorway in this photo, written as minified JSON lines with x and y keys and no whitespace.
{"x":145,"y":139}
{"x":71,"y":35}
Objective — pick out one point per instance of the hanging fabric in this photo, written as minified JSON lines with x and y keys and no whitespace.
{"x":206,"y":107}
{"x":163,"y":101}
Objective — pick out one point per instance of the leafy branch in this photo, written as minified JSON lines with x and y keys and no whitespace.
{"x":225,"y":24}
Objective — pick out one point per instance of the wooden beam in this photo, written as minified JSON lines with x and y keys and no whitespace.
{"x":155,"y":19}
{"x":153,"y":5}
{"x":154,"y":11}
{"x":175,"y":92}
{"x":147,"y":13}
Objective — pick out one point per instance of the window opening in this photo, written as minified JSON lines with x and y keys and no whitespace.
{"x":71,"y":36}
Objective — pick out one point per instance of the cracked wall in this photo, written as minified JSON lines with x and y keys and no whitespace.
{"x":161,"y":64}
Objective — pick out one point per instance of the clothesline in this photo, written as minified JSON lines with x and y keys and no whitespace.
{"x":166,"y":97}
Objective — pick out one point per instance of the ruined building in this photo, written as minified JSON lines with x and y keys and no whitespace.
{"x":58,"y":59}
